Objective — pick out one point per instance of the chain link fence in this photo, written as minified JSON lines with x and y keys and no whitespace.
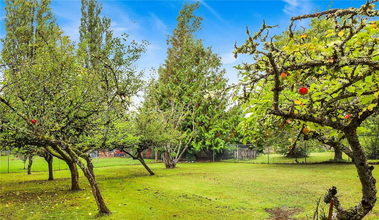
{"x":232,"y":154}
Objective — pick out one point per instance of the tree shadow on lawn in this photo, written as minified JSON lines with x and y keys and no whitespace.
{"x":42,"y":181}
{"x":30,"y":190}
{"x":283,"y":213}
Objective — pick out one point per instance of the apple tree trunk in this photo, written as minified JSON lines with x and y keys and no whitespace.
{"x":90,"y":174}
{"x":368,"y":199}
{"x":30,"y":162}
{"x":169,"y":161}
{"x":337,"y":154}
{"x":49,"y":160}
{"x":142,"y":161}
{"x":74,"y":175}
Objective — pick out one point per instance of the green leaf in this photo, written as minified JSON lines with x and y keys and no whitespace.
{"x":290,"y":43}
{"x":312,"y":87}
{"x":361,"y":130}
{"x":314,"y":95}
{"x":366,"y":99}
{"x":351,"y":89}
{"x":372,"y":106}
{"x":368,"y":79}
{"x":333,"y":133}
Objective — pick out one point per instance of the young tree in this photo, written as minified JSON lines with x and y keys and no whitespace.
{"x":49,"y":159}
{"x":329,"y":82}
{"x":145,"y":128}
{"x":189,"y":73}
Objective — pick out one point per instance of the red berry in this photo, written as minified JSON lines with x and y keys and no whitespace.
{"x":303,"y":91}
{"x":34,"y":121}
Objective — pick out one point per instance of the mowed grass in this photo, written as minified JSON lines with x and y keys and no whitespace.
{"x":312,"y":158}
{"x":190,"y":191}
{"x":39,"y":164}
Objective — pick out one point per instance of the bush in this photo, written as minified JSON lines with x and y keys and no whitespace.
{"x":372,"y":150}
{"x":299,"y":152}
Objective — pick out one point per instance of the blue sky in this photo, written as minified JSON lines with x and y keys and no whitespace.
{"x":224,"y":22}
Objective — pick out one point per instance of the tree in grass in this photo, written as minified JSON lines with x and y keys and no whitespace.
{"x":57,"y":103}
{"x":27,"y":24}
{"x":26,"y":153}
{"x":189,"y":73}
{"x":145,"y":128}
{"x":49,"y":160}
{"x":329,"y":83}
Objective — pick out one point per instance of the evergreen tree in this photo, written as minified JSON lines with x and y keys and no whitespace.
{"x":190,"y":84}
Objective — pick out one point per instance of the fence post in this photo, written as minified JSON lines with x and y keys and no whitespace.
{"x":131,"y":158}
{"x":268,"y":155}
{"x":213,"y":151}
{"x":97,"y":158}
{"x":305,"y":154}
{"x":8,"y":161}
{"x":237,"y":152}
{"x":156,"y":155}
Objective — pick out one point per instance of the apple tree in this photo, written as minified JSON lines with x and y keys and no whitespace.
{"x":27,"y":24}
{"x":331,"y":83}
{"x":55,"y":101}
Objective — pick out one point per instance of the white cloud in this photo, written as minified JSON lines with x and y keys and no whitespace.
{"x":297,"y":7}
{"x":210,"y":9}
{"x":157,"y":24}
{"x":228,"y":58}
{"x":117,"y":28}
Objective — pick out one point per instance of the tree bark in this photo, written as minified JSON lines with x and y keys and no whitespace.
{"x":24,"y":161}
{"x":90,"y":174}
{"x":366,"y":178}
{"x":144,"y":164}
{"x":74,"y":175}
{"x":337,"y":154}
{"x":49,"y":160}
{"x":30,"y":162}
{"x":169,"y":161}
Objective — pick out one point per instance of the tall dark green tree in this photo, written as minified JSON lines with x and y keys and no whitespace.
{"x":188,"y":83}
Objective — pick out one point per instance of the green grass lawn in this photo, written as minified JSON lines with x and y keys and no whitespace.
{"x":312,"y":158}
{"x":190,"y":191}
{"x":39,"y":164}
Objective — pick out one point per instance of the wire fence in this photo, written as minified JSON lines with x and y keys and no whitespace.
{"x":233,"y":154}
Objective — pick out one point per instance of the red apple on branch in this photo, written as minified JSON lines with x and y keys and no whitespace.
{"x":347,"y":117}
{"x":34,"y":121}
{"x":303,"y":91}
{"x":305,"y":130}
{"x":283,"y":76}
